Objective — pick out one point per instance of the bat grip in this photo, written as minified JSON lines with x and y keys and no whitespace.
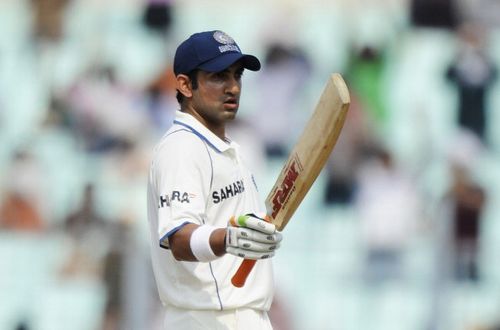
{"x":242,"y":273}
{"x":246,"y":266}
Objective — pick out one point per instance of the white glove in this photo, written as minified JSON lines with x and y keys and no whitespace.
{"x":251,"y":237}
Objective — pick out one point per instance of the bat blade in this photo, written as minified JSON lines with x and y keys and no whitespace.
{"x":310,"y":153}
{"x":305,"y":161}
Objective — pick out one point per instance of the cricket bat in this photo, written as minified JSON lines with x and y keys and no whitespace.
{"x":305,"y":161}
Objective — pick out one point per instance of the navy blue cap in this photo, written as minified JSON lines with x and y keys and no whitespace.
{"x":211,"y":51}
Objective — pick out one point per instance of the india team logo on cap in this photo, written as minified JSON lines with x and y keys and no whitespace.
{"x":223,"y":38}
{"x":228,"y":44}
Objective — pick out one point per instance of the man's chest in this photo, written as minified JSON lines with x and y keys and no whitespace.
{"x":231,"y":181}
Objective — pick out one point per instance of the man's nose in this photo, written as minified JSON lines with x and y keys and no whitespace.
{"x":233,"y":86}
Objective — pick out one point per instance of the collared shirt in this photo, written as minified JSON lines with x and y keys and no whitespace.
{"x":196,"y":177}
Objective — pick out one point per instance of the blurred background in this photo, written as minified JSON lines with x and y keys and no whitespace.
{"x":401,"y":229}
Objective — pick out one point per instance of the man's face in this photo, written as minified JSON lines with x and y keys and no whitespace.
{"x":216,"y":100}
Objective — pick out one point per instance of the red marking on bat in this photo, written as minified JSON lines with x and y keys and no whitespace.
{"x":282,"y":194}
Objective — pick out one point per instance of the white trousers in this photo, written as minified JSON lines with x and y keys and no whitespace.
{"x":236,"y":319}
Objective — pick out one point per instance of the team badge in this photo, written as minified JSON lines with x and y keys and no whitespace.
{"x":223,"y":38}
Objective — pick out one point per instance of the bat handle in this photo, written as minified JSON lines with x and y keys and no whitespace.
{"x":246,"y":266}
{"x":242,"y":273}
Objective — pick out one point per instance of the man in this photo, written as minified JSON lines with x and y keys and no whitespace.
{"x":198,"y":182}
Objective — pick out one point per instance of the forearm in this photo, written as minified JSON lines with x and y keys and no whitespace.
{"x":218,"y":241}
{"x":180,"y":242}
{"x":245,"y":236}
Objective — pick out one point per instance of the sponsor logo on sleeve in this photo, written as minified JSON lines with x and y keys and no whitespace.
{"x":164,"y":201}
{"x":175,"y":196}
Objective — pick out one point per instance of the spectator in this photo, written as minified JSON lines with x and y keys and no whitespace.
{"x":160,"y":101}
{"x":158,"y":16}
{"x":89,"y":235}
{"x":433,"y":13}
{"x":463,"y":204}
{"x":468,"y":199}
{"x":18,"y":213}
{"x":48,"y":17}
{"x":21,"y":206}
{"x":388,"y":206}
{"x":356,"y":136}
{"x":473,"y":74}
{"x":105,"y":111}
{"x":365,"y":75}
{"x":285,"y":73}
{"x":79,"y":222}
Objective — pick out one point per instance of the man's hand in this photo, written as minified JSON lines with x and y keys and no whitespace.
{"x":251,"y":237}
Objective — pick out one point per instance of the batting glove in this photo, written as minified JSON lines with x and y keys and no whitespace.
{"x":251,"y":237}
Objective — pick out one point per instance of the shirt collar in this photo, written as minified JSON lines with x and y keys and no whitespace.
{"x":191,"y":123}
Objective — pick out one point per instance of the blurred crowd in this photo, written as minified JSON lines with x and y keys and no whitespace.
{"x":87,"y":88}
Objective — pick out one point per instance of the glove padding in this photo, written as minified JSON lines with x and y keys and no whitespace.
{"x":251,"y":237}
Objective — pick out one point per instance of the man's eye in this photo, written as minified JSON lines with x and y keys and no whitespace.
{"x":220,"y":75}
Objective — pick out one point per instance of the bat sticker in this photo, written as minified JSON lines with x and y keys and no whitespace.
{"x":287,"y":187}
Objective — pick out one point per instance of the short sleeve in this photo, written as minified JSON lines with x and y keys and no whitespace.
{"x":181,"y":174}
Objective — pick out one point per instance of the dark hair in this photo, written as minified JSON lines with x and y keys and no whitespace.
{"x":193,"y":77}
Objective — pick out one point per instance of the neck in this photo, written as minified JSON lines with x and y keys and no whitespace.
{"x":218,"y":129}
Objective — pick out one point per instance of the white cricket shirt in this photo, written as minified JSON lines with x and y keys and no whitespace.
{"x":195,"y":177}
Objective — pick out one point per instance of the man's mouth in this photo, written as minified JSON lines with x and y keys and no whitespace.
{"x":231,"y":100}
{"x":231,"y":103}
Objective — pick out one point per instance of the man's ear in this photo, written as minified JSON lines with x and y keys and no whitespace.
{"x":184,"y":85}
